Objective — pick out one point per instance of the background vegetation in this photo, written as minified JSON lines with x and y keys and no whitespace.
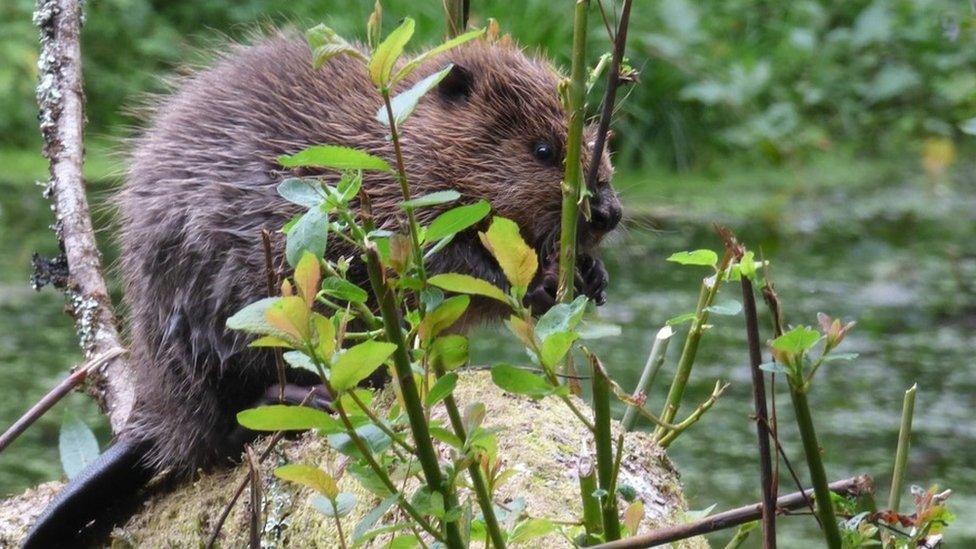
{"x":833,"y":134}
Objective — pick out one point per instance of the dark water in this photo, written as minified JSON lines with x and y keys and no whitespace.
{"x":897,"y":258}
{"x":893,"y":254}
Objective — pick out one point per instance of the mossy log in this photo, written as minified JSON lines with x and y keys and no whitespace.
{"x":539,"y":439}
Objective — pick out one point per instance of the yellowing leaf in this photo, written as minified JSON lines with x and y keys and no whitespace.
{"x":290,"y":315}
{"x":633,"y":516}
{"x":443,"y":317}
{"x":313,"y":477}
{"x":307,"y":275}
{"x":387,"y":53}
{"x":325,"y":334}
{"x":516,"y":258}
{"x":466,"y":284}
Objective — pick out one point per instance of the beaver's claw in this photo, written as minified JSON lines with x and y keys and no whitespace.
{"x":591,"y":280}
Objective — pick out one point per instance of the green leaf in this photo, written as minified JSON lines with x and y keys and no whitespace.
{"x":404,"y":103}
{"x":406,"y":541}
{"x":797,"y":340}
{"x":357,"y":363}
{"x":343,"y":289}
{"x":774,"y":367}
{"x":386,"y":54}
{"x":681,"y":319}
{"x":252,"y":319}
{"x":282,"y":417}
{"x":516,"y":258}
{"x":298,"y":359}
{"x":348,"y":186}
{"x":310,"y":233}
{"x":520,"y":382}
{"x":466,"y":284}
{"x":968,"y":126}
{"x":309,"y":476}
{"x":452,"y":43}
{"x":325,"y":335}
{"x":730,"y":307}
{"x":443,"y":317}
{"x":442,"y":388}
{"x":325,"y":44}
{"x":706,"y":258}
{"x":474,"y":414}
{"x":555,"y":347}
{"x":747,"y":265}
{"x":77,"y":445}
{"x":427,"y":502}
{"x":304,"y":192}
{"x":450,"y":351}
{"x":530,"y":529}
{"x":370,"y":518}
{"x":456,"y":220}
{"x":374,"y":437}
{"x":563,"y":317}
{"x":432,"y":199}
{"x":334,"y":157}
{"x":595,"y":329}
{"x":446,"y":436}
{"x":342,"y":506}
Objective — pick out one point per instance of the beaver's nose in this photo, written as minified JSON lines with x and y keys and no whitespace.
{"x":605,"y":210}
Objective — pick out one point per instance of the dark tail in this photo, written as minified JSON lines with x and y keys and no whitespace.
{"x":87,"y":505}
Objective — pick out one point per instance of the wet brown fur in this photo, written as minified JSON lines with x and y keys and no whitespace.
{"x":200,"y":187}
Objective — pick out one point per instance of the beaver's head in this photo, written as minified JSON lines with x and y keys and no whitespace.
{"x":495,"y":128}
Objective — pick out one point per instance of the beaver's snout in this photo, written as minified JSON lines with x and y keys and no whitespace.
{"x":605,"y":211}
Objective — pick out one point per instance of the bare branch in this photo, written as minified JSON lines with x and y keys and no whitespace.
{"x":61,"y":101}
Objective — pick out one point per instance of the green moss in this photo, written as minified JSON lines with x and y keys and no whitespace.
{"x":540,"y":440}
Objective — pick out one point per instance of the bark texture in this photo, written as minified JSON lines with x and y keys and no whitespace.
{"x":78,"y":271}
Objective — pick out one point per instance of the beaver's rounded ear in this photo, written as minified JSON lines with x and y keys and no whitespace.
{"x":457,"y":84}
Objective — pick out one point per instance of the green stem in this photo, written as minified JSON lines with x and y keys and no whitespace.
{"x":592,"y":520}
{"x":825,"y":508}
{"x":380,"y":423}
{"x":411,"y":397}
{"x":705,"y":298}
{"x":901,"y":455}
{"x":651,"y":368}
{"x":477,"y":478}
{"x":693,"y":418}
{"x":405,"y":189}
{"x":603,"y":437}
{"x":457,"y":16}
{"x":576,"y":112}
{"x":368,"y":454}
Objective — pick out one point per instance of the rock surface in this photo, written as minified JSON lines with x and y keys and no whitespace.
{"x":540,"y":440}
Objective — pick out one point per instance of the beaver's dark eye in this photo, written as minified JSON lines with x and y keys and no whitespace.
{"x":543,"y":151}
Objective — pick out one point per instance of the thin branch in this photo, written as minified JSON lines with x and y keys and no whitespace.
{"x":729,"y":519}
{"x":610,"y":95}
{"x":55,"y":395}
{"x":61,"y":102}
{"x":758,"y":397}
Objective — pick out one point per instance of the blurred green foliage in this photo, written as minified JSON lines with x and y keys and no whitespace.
{"x":765,"y":78}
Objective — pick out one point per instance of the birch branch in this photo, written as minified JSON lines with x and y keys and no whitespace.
{"x":60,"y":98}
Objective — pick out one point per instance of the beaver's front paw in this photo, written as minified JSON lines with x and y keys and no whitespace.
{"x":592,"y":278}
{"x":542,"y":292}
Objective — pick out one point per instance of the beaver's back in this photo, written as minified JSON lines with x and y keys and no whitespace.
{"x":200,"y":187}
